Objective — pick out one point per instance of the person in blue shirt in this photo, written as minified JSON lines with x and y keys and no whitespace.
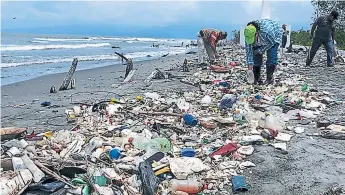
{"x":261,"y":36}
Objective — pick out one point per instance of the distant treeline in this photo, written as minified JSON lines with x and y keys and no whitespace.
{"x":302,"y":37}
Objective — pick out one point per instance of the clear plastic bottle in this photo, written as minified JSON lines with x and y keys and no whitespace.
{"x":189,"y":186}
{"x":250,"y":76}
{"x":270,"y":122}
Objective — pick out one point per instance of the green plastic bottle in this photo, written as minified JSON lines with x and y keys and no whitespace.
{"x":304,"y":87}
{"x":279,"y":99}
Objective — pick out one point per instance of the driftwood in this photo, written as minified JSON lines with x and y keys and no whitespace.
{"x":53,"y":174}
{"x":161,"y":113}
{"x":184,"y":66}
{"x":129,"y":66}
{"x":122,"y":56}
{"x":69,"y":75}
{"x":165,"y":55}
{"x":73,"y":84}
{"x":11,"y":133}
{"x":52,"y":89}
{"x":331,"y":134}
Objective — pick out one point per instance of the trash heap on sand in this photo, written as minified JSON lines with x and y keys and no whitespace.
{"x":195,"y":142}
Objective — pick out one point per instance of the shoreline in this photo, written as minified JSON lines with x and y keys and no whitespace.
{"x":24,"y":98}
{"x":115,"y":64}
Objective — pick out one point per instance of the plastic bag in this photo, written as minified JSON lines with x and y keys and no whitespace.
{"x":149,"y":181}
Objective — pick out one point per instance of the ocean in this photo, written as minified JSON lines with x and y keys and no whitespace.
{"x":24,"y":56}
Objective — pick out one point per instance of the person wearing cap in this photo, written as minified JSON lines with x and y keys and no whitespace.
{"x":322,"y":33}
{"x":210,"y":38}
{"x":261,"y":36}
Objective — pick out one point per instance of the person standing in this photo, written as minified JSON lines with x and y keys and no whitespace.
{"x":210,"y":38}
{"x":323,"y":32}
{"x":284,"y":38}
{"x":261,"y":36}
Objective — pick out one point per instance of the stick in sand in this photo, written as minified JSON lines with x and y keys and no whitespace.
{"x":69,"y":75}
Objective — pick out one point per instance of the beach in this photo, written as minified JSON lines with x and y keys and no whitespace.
{"x":32,"y":93}
{"x":311,"y":166}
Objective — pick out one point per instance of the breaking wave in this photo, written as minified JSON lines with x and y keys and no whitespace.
{"x":60,"y":39}
{"x":46,"y":47}
{"x":134,"y":55}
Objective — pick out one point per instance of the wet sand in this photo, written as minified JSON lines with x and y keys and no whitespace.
{"x":312,"y":164}
{"x":20,"y":102}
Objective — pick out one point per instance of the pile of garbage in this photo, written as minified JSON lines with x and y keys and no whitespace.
{"x":195,"y":142}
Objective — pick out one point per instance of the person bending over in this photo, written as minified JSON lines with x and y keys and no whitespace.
{"x":261,"y":36}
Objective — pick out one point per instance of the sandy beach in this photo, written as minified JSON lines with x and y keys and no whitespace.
{"x":312,"y":165}
{"x":20,"y":102}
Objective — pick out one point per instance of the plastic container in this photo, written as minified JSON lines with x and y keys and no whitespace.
{"x":206,"y":101}
{"x":239,"y":184}
{"x":188,"y":186}
{"x":190,"y":120}
{"x":227,"y":102}
{"x":18,"y":164}
{"x":114,"y":154}
{"x":250,"y":76}
{"x":188,"y":152}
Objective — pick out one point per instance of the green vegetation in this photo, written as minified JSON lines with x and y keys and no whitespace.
{"x":302,"y":37}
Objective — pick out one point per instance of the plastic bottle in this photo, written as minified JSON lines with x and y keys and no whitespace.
{"x":190,"y":120}
{"x":93,"y":143}
{"x":183,"y":105}
{"x":188,"y":186}
{"x":305,"y":87}
{"x":270,"y":123}
{"x":250,"y":76}
{"x":279,"y":99}
{"x":18,"y":164}
{"x":206,"y":100}
{"x":237,"y":115}
{"x":144,"y":143}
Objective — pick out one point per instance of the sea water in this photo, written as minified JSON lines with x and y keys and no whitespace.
{"x":25,"y":56}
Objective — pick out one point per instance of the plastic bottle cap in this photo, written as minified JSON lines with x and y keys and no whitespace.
{"x":130,"y":139}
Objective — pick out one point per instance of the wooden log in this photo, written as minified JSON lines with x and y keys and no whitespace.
{"x":162,"y":113}
{"x":53,"y":174}
{"x":330,"y":134}
{"x":69,"y":75}
{"x":122,"y":56}
{"x":11,"y":132}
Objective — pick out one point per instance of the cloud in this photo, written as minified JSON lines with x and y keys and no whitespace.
{"x":149,"y":13}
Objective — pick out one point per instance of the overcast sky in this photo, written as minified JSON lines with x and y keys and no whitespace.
{"x":149,"y":14}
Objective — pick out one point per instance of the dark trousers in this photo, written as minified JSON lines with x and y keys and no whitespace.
{"x":272,"y":57}
{"x":284,"y":41}
{"x":317,"y":42}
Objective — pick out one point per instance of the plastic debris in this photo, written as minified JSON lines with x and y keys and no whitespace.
{"x":167,"y":141}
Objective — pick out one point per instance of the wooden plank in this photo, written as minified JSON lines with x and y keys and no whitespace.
{"x":69,"y":75}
